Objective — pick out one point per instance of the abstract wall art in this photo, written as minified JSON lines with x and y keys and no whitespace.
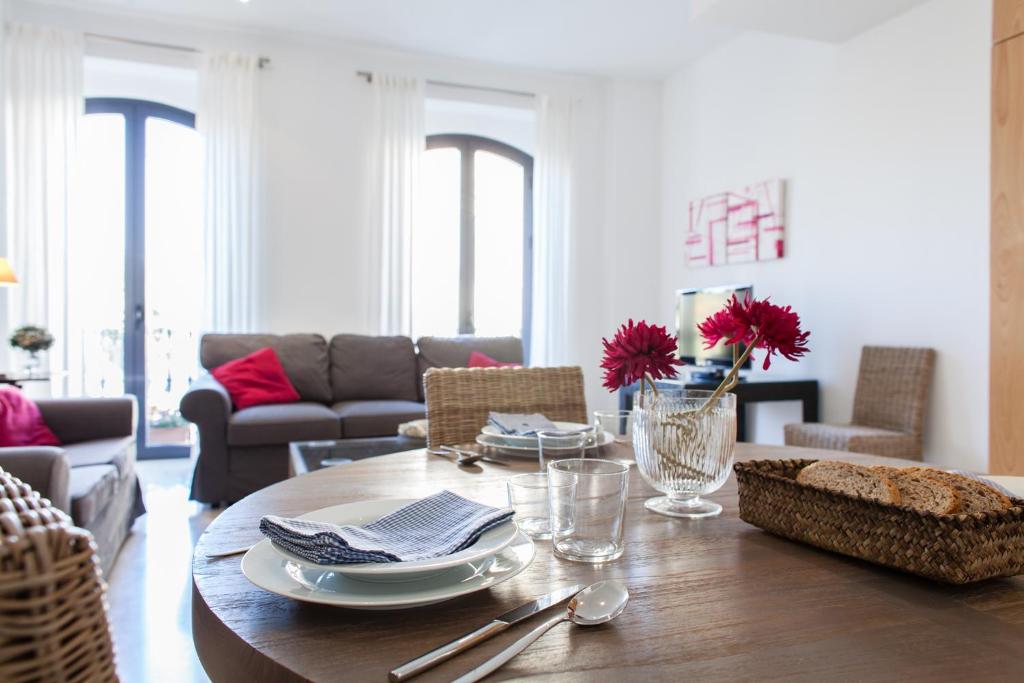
{"x":737,"y":226}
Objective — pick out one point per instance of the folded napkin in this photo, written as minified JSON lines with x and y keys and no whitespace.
{"x":438,"y":525}
{"x":520,"y":424}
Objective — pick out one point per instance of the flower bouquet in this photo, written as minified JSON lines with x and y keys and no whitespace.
{"x":684,"y":439}
{"x":31,"y":339}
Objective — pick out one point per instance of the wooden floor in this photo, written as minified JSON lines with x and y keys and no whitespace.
{"x":151,"y":584}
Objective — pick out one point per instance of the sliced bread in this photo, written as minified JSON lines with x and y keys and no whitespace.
{"x":974,"y":495}
{"x":922,"y":492}
{"x":852,"y":479}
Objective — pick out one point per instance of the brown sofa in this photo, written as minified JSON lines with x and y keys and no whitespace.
{"x":92,"y":476}
{"x":355,"y":386}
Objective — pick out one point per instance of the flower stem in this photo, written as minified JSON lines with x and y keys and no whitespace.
{"x":732,"y":378}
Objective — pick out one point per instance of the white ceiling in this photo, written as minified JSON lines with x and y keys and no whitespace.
{"x":638,"y":38}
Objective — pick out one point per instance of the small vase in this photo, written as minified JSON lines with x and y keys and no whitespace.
{"x":33,"y":363}
{"x":684,"y":448}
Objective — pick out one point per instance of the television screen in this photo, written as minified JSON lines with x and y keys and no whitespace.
{"x":692,"y":307}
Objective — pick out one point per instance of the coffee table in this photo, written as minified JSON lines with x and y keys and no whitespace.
{"x":309,"y":456}
{"x":711,"y":600}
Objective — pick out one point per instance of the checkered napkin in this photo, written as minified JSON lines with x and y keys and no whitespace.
{"x":520,"y":424}
{"x":438,"y":525}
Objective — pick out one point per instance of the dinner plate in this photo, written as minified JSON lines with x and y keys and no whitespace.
{"x":273,"y":572}
{"x":531,"y":440}
{"x":359,"y":514}
{"x":521,"y":451}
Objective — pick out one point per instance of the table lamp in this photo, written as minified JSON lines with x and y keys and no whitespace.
{"x":7,"y":277}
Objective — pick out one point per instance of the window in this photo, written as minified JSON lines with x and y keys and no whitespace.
{"x":472,"y":244}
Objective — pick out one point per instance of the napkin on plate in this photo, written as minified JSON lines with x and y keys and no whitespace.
{"x":437,"y":525}
{"x":520,"y":424}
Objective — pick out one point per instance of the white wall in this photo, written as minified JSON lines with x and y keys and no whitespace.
{"x":884,"y":142}
{"x":316,"y":122}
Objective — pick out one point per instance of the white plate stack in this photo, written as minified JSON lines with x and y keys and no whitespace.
{"x":526,"y":446}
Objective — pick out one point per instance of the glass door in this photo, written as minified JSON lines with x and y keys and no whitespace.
{"x":140,"y":335}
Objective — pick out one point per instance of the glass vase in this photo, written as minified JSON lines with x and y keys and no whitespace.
{"x":684,"y":443}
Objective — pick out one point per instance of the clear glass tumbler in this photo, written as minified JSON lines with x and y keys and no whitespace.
{"x":528,"y":497}
{"x":559,"y":445}
{"x":587,"y":525}
{"x":684,"y":442}
{"x":619,"y":424}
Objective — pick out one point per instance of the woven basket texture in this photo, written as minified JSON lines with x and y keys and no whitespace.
{"x":459,"y":399}
{"x":53,"y":612}
{"x":953,"y":549}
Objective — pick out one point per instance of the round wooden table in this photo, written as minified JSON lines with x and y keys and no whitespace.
{"x":712,"y":599}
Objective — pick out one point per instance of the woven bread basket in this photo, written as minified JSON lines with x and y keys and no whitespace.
{"x":955,"y":549}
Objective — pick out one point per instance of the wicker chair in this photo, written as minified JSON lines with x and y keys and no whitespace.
{"x":888,"y":407}
{"x":53,"y":613}
{"x":459,"y":399}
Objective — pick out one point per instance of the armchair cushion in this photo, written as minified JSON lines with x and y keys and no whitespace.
{"x":21,"y":423}
{"x":116,"y":452}
{"x":92,"y":489}
{"x":256,"y":379}
{"x":282,"y":423}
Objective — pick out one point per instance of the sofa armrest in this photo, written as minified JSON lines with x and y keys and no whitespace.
{"x":45,"y":468}
{"x":74,"y":420}
{"x":206,"y":402}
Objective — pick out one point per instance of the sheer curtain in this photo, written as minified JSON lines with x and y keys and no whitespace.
{"x":228,"y":122}
{"x":43,"y":102}
{"x":398,"y":145}
{"x":552,"y":230}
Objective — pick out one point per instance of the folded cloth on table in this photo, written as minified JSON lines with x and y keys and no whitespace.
{"x":520,"y":424}
{"x":435,"y":526}
{"x":416,"y":429}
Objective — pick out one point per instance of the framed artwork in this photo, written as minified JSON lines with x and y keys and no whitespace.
{"x":737,"y":226}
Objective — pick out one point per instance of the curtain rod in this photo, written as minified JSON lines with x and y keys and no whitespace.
{"x":368,"y":77}
{"x":264,"y":62}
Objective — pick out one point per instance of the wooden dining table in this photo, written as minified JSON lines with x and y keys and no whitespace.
{"x":712,"y":599}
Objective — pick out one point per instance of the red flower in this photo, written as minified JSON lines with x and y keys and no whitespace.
{"x":637,"y":350}
{"x":776,"y":328}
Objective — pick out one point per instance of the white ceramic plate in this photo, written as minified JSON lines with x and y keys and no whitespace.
{"x":501,"y":443}
{"x":273,"y":572}
{"x":358,"y":514}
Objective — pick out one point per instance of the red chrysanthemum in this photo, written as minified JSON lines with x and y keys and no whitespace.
{"x":776,"y":329}
{"x":636,"y":350}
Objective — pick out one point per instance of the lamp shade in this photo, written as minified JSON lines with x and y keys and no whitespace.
{"x":7,"y":276}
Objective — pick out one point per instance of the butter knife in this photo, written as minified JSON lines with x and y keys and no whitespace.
{"x":468,"y":640}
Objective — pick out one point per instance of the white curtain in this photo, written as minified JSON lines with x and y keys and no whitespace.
{"x":398,"y":145}
{"x":552,"y":230}
{"x":43,"y":102}
{"x":228,"y":122}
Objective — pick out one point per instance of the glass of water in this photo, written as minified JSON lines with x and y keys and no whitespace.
{"x":587,"y":524}
{"x":559,"y":445}
{"x":528,"y":497}
{"x":618,"y":424}
{"x":684,"y":442}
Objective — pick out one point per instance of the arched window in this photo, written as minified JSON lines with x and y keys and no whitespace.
{"x":472,"y":247}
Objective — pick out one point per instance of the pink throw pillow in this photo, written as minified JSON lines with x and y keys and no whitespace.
{"x":482,"y":360}
{"x":256,"y":379}
{"x":21,"y":423}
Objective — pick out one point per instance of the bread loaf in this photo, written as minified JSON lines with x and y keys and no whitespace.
{"x":852,"y":479}
{"x":921,"y":492}
{"x":975,"y":496}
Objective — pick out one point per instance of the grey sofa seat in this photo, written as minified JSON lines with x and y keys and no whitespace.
{"x":282,"y":423}
{"x":116,"y":451}
{"x":360,"y":419}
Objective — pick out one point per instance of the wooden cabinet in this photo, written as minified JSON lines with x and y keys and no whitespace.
{"x":1006,"y":352}
{"x":1008,"y":20}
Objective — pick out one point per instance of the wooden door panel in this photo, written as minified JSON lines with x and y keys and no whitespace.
{"x":1008,"y":19}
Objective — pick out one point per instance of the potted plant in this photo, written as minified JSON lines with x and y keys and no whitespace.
{"x":32,"y":339}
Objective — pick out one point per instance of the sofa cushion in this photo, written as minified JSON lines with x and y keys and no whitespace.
{"x":119,"y":452}
{"x":255,"y":380}
{"x":281,"y":423}
{"x":454,"y":352}
{"x":303,"y":356}
{"x":376,"y":418}
{"x":373,"y":368}
{"x":92,"y":488}
{"x":21,"y":423}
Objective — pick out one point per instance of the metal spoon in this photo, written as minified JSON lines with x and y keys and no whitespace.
{"x":596,"y":604}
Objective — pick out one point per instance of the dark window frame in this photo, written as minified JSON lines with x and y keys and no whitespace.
{"x":467,"y":146}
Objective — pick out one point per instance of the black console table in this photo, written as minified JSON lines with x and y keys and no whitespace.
{"x":747,"y":391}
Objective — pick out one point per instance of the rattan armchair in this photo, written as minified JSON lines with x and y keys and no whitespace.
{"x":53,"y":614}
{"x":459,"y":399}
{"x":888,"y":407}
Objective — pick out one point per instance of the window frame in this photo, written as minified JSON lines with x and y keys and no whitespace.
{"x":468,"y":145}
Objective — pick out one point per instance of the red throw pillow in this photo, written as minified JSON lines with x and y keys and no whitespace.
{"x":482,"y":360}
{"x":256,"y":379}
{"x":21,"y":423}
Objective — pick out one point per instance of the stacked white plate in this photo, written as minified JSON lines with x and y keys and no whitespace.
{"x":497,"y":556}
{"x":526,"y":446}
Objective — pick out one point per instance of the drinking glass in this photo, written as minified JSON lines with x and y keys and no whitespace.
{"x":618,"y":423}
{"x":587,"y":523}
{"x":558,"y":445}
{"x":528,"y":497}
{"x":684,"y":442}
